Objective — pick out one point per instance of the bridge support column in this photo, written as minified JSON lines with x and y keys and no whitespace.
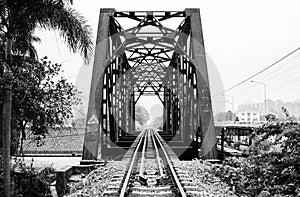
{"x":208,"y":135}
{"x":94,"y":133}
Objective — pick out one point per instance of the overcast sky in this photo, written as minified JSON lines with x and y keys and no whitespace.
{"x":241,"y":38}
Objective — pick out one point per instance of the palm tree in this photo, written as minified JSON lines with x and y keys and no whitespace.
{"x":18,"y":20}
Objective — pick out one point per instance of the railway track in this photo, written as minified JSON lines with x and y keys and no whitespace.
{"x":151,"y":171}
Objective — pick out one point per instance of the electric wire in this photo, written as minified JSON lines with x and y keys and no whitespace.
{"x":261,"y":71}
{"x":271,"y":75}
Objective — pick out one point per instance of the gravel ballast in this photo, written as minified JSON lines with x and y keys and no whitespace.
{"x":200,"y":171}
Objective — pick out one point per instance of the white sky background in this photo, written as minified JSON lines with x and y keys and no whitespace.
{"x":241,"y":37}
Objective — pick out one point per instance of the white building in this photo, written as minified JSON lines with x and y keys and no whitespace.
{"x":248,"y":115}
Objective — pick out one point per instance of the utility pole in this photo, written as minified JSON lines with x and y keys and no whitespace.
{"x":6,"y":129}
{"x":265,"y":94}
{"x":232,"y":104}
{"x":6,"y":116}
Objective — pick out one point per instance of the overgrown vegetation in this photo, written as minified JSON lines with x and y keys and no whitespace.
{"x":157,"y":123}
{"x":273,"y":166}
{"x":141,"y":115}
{"x":18,"y":21}
{"x":26,"y":181}
{"x":41,"y":99}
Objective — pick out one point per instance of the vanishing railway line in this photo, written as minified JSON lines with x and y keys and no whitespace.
{"x":150,"y":171}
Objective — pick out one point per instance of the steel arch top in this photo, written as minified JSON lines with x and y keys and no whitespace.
{"x":150,"y":46}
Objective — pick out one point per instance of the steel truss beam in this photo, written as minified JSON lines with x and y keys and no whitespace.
{"x":163,"y":62}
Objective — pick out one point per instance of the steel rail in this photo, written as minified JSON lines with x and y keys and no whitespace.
{"x":177,"y":182}
{"x":141,"y":173}
{"x":126,"y":181}
{"x":160,"y":168}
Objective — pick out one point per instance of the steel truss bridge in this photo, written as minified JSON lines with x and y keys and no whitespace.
{"x":149,"y":57}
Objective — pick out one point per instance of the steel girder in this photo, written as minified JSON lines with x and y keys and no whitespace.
{"x":149,"y":58}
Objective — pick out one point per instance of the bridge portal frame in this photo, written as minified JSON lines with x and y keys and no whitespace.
{"x":202,"y":115}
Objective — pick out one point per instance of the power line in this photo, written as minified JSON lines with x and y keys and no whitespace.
{"x":271,"y":87}
{"x":285,"y":71}
{"x":291,"y":73}
{"x":254,"y":75}
{"x":275,"y":88}
{"x":288,"y":82}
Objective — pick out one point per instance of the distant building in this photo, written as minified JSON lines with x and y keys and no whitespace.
{"x":297,"y":109}
{"x":278,"y":105}
{"x":248,"y":115}
{"x":293,"y":108}
{"x":260,"y":107}
{"x":224,"y":116}
{"x":274,"y":108}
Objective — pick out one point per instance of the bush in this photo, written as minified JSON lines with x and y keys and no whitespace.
{"x":28,"y":182}
{"x":273,"y":166}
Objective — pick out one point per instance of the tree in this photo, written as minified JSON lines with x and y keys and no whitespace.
{"x":41,"y":100}
{"x":270,"y":117}
{"x":18,"y":20}
{"x":273,"y":166}
{"x":157,"y":123}
{"x":141,"y":115}
{"x":229,"y":116}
